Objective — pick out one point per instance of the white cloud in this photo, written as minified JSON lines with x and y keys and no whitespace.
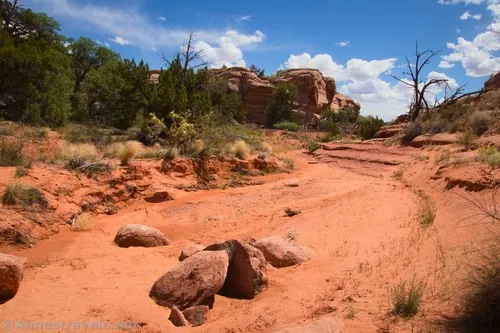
{"x":445,"y":64}
{"x":467,"y":15}
{"x":455,"y":2}
{"x":102,"y":44}
{"x":344,"y":43}
{"x":161,"y":18}
{"x":154,"y":49}
{"x":243,"y":18}
{"x":120,"y":40}
{"x":228,"y":50}
{"x":115,"y":21}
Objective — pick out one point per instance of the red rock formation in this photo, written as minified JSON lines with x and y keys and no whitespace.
{"x":493,"y":83}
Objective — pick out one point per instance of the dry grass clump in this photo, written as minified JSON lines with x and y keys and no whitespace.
{"x":83,"y":222}
{"x":113,"y":150}
{"x":19,"y":194}
{"x":241,"y":149}
{"x":129,"y":151}
{"x":11,"y":153}
{"x":490,"y":155}
{"x":406,"y":298}
{"x":468,"y":140}
{"x":266,"y":147}
{"x":84,"y":151}
{"x":443,"y":156}
{"x":480,"y":122}
{"x":427,"y":209}
{"x":398,"y":174}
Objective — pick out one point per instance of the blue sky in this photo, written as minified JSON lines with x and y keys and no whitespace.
{"x":357,"y":41}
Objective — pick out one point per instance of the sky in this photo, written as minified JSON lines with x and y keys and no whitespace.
{"x":357,"y":42}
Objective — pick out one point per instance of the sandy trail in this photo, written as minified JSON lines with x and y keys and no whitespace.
{"x":358,"y":220}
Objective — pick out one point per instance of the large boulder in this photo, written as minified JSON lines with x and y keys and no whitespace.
{"x":281,"y":253}
{"x":493,"y":82}
{"x":11,"y":274}
{"x":391,"y":130}
{"x":189,"y":250}
{"x":193,"y":281}
{"x":140,"y":235}
{"x":247,"y":272}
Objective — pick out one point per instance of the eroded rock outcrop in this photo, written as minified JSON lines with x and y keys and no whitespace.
{"x":315,"y":91}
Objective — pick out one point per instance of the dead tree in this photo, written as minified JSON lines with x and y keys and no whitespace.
{"x":419,"y":85}
{"x":190,"y":58}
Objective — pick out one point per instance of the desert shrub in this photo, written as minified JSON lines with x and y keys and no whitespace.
{"x":490,"y":155}
{"x":413,"y":130}
{"x":198,"y":146}
{"x":398,"y":174}
{"x":88,"y":168}
{"x":77,"y":151}
{"x":482,"y":301}
{"x":467,"y":139}
{"x":113,"y":150}
{"x":328,"y":137}
{"x":150,"y":129}
{"x":312,"y":146}
{"x":21,"y":171}
{"x":129,"y":151}
{"x":369,"y":126}
{"x":241,"y":149}
{"x":281,"y":105}
{"x":83,"y":222}
{"x":171,"y":153}
{"x":443,"y":156}
{"x":19,"y":194}
{"x":11,"y":153}
{"x":480,"y":122}
{"x":435,"y":125}
{"x":287,"y":125}
{"x":83,"y":134}
{"x":351,"y":313}
{"x":265,"y":147}
{"x":348,"y":115}
{"x":289,"y":163}
{"x":406,"y":298}
{"x":427,"y":210}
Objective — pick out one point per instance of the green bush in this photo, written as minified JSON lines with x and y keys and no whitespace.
{"x":369,"y":126}
{"x":288,"y":126}
{"x":490,"y":155}
{"x":281,"y":105}
{"x":11,"y":153}
{"x":467,"y":139}
{"x":406,"y":298}
{"x":312,"y":146}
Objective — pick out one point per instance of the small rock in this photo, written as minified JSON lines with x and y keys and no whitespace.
{"x":11,"y":275}
{"x":140,"y":235}
{"x":290,"y":212}
{"x":292,"y":183}
{"x":281,"y":253}
{"x":158,"y":197}
{"x":196,"y":315}
{"x":193,"y":281}
{"x":189,"y":250}
{"x":177,"y":317}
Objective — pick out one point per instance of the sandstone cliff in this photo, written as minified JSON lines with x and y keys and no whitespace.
{"x":314,"y":89}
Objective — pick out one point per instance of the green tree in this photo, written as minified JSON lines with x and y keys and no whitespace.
{"x":281,"y":105}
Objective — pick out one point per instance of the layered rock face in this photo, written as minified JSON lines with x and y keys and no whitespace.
{"x":314,"y":90}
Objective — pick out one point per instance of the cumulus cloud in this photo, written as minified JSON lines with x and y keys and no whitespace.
{"x":120,"y":40}
{"x":479,"y":57}
{"x":467,"y":15}
{"x":228,"y":49}
{"x":445,"y":64}
{"x":344,"y":43}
